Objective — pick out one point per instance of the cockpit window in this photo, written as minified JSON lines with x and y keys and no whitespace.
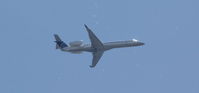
{"x":134,"y":40}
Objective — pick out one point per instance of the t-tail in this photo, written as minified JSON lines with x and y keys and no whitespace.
{"x":59,"y":43}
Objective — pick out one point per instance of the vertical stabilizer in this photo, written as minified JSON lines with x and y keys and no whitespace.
{"x":59,"y":43}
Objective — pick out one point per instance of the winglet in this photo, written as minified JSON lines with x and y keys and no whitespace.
{"x":86,"y":27}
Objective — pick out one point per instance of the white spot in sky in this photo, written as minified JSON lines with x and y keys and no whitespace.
{"x":177,"y":28}
{"x":137,"y":65}
{"x":96,"y":22}
{"x":96,"y":5}
{"x":94,"y":16}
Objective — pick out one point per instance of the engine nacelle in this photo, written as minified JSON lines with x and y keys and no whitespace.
{"x":76,"y":43}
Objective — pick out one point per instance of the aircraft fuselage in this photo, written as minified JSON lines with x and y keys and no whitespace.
{"x":107,"y":46}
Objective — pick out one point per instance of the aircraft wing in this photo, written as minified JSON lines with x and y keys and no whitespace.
{"x":96,"y":58}
{"x":95,"y":42}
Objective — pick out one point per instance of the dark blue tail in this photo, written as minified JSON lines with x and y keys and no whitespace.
{"x":59,"y":42}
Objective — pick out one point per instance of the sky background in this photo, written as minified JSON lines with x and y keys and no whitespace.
{"x":168,"y":63}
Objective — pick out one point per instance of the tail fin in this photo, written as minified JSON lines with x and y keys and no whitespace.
{"x":59,"y":42}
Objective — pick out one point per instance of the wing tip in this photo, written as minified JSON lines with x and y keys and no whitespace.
{"x":91,"y":66}
{"x":86,"y":26}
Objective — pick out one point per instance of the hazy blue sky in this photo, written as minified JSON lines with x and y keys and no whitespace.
{"x":168,"y":63}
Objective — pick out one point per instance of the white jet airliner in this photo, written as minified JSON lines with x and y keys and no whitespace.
{"x":96,"y":47}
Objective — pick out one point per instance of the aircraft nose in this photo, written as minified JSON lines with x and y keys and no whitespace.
{"x":141,"y":43}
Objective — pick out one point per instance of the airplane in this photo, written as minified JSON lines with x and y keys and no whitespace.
{"x":97,"y":48}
